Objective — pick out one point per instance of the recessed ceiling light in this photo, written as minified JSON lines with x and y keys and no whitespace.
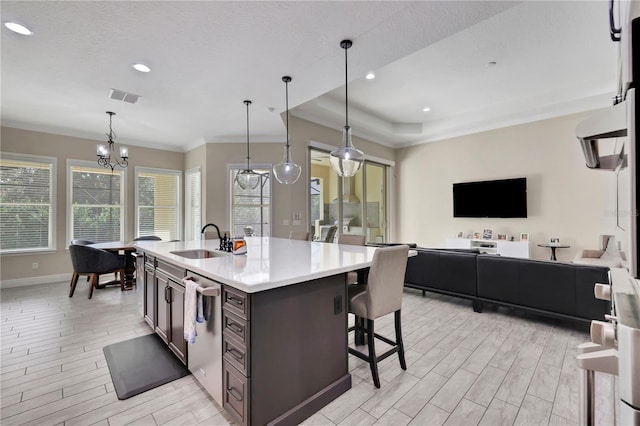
{"x":426,"y":109}
{"x":17,"y":28}
{"x":370,"y":76}
{"x":141,"y":67}
{"x":491,"y":64}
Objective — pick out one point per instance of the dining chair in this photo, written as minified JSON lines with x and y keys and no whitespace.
{"x":331,"y":234}
{"x":381,"y":296}
{"x":299,"y":235}
{"x":352,"y":240}
{"x":148,"y":238}
{"x":93,"y":262}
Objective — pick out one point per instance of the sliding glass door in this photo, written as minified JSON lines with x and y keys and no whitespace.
{"x":355,"y":205}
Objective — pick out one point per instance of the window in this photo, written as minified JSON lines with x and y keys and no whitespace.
{"x":27,"y":203}
{"x":158,"y":203}
{"x":96,"y":196}
{"x":192,"y":204}
{"x":251,"y":207}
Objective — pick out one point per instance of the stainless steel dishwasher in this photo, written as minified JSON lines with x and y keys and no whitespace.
{"x":205,"y":355}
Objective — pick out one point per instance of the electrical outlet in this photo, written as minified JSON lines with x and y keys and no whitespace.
{"x":285,"y":222}
{"x":297,"y":222}
{"x":34,"y":265}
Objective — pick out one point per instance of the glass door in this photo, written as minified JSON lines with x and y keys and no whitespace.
{"x":355,"y":205}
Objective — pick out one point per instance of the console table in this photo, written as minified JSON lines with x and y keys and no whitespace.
{"x":519,"y":249}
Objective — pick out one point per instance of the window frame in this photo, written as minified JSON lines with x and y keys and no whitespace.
{"x":52,"y":247}
{"x":254,"y":166}
{"x":179,"y":197}
{"x":187,"y":173}
{"x":123,"y":196}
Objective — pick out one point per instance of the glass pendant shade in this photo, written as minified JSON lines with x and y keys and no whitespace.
{"x":347,"y":160}
{"x":287,"y":172}
{"x":248,"y":179}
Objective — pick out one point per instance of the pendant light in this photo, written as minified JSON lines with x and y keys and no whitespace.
{"x":287,"y":172}
{"x":106,"y":153}
{"x":346,"y":161}
{"x":247,"y":178}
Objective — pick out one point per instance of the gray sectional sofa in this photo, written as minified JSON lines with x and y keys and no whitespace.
{"x":550,"y":288}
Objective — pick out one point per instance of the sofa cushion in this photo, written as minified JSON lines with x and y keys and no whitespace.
{"x":498,"y":278}
{"x":549,"y":286}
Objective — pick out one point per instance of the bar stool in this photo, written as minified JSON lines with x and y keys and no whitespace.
{"x":381,"y":296}
{"x":299,"y":235}
{"x":352,"y":240}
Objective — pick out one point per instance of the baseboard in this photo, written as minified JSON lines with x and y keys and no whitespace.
{"x":44,"y":279}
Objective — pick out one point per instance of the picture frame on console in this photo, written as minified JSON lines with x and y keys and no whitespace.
{"x":524,"y":236}
{"x":460,"y":234}
{"x":554,"y":241}
{"x":476,"y":235}
{"x":487,"y":234}
{"x":502,"y":237}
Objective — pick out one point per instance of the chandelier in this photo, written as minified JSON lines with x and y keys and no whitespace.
{"x":106,"y":153}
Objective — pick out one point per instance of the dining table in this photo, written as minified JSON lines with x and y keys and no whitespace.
{"x":126,"y":248}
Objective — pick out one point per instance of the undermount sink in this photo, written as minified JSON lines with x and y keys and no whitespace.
{"x":199,"y":254}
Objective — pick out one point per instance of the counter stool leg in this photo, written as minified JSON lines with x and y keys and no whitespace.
{"x":373,"y":362}
{"x":403,"y":363}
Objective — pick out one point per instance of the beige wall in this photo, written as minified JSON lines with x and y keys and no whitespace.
{"x":565,"y":199}
{"x":63,"y":148}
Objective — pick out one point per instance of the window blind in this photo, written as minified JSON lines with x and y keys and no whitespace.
{"x":193,"y":204}
{"x":158,"y":202}
{"x":96,"y":204}
{"x":27,"y":203}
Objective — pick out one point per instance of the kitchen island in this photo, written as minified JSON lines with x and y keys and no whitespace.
{"x":276,"y":344}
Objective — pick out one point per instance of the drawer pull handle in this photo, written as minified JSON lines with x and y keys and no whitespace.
{"x":236,"y":354}
{"x":234,"y":393}
{"x":235,"y":300}
{"x":234,"y":327}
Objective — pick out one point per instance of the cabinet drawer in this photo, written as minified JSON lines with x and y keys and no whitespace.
{"x":173,"y":271}
{"x":235,"y":354}
{"x":236,"y":326}
{"x":235,"y":393}
{"x":235,"y":301}
{"x":150,"y":261}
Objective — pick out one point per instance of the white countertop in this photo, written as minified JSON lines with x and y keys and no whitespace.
{"x":269,"y":262}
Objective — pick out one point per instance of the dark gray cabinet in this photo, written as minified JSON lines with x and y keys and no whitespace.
{"x":169,"y":302}
{"x":148,"y":287}
{"x":280,"y":361}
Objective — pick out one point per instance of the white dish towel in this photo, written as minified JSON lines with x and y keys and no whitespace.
{"x":192,"y":309}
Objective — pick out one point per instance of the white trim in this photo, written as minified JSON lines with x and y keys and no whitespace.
{"x":193,"y":170}
{"x":325,"y":147}
{"x":179,"y":207}
{"x":53,"y":223}
{"x":44,"y":279}
{"x":69,"y":207}
{"x":267,"y":166}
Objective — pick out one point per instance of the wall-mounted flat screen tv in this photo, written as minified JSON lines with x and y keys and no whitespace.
{"x":492,"y":198}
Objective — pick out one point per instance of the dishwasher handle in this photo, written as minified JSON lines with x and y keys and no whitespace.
{"x":213,"y":290}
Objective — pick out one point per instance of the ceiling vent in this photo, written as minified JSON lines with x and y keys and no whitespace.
{"x":121,"y":95}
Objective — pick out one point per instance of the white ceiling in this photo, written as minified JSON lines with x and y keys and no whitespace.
{"x":206,"y":57}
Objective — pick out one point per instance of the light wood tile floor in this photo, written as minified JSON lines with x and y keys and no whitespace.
{"x":464,"y":368}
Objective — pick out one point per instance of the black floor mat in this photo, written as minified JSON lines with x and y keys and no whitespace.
{"x":140,"y":364}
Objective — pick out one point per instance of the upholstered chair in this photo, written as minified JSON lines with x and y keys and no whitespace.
{"x":352,"y":240}
{"x":93,"y":262}
{"x":381,"y":296}
{"x":299,"y":235}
